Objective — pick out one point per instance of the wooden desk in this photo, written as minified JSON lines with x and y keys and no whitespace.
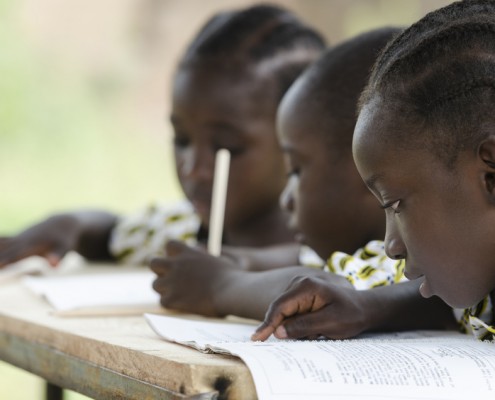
{"x":111,"y":357}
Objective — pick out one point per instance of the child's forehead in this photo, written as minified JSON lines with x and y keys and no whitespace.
{"x":217,"y":68}
{"x":236,"y":82}
{"x":304,"y":113}
{"x":374,"y":131}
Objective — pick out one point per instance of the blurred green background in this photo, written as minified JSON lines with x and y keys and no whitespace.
{"x":84,"y":90}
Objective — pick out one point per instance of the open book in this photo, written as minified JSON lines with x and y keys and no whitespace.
{"x":411,"y":365}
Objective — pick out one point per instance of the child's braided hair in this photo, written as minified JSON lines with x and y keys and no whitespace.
{"x":439,"y":74}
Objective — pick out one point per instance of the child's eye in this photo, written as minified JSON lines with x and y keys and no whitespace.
{"x":293,"y":172}
{"x":181,"y":141}
{"x":394,"y":205}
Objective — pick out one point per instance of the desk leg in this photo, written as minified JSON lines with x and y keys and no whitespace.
{"x":53,"y":392}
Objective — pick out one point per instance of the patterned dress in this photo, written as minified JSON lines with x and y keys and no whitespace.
{"x":143,"y":235}
{"x":369,"y":267}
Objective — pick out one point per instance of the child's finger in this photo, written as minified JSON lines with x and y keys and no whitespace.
{"x":174,"y":248}
{"x":53,"y":259}
{"x":263,"y":332}
{"x":159,"y":285}
{"x":283,"y":307}
{"x":160,"y":265}
{"x":313,"y":324}
{"x":55,"y":255}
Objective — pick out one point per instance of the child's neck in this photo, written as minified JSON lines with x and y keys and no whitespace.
{"x":269,"y":229}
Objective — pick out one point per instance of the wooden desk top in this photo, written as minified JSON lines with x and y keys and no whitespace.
{"x":111,"y":357}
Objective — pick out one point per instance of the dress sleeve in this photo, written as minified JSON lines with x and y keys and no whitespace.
{"x":140,"y":236}
{"x":478,"y":320}
{"x":368,"y":267}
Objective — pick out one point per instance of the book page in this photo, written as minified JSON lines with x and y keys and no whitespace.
{"x":375,"y":369}
{"x":201,"y":335}
{"x":86,"y":293}
{"x":422,"y":365}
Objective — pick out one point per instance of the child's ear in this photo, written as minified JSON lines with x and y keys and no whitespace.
{"x":486,"y":152}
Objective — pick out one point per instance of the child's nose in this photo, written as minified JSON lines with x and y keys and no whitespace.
{"x":394,"y":246}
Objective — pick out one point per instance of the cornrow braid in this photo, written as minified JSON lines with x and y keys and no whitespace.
{"x":260,"y":35}
{"x":428,"y":23}
{"x":439,"y":43}
{"x":440,"y":76}
{"x":461,"y":88}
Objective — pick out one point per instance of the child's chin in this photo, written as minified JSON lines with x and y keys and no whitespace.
{"x":456,"y":301}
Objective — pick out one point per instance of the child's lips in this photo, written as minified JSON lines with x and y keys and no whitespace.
{"x":411,"y":273}
{"x":201,"y":207}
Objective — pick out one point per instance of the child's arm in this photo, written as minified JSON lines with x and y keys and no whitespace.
{"x":312,"y":307}
{"x":87,"y":232}
{"x":191,"y":280}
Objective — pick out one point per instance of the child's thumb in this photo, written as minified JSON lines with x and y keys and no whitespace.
{"x":55,"y":256}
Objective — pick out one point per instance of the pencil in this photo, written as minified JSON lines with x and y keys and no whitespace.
{"x":219,"y":195}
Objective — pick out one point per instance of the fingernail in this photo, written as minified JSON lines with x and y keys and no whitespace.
{"x":281,"y":333}
{"x":53,"y":259}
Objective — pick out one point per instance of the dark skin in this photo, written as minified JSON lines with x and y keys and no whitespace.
{"x":317,"y":196}
{"x":86,"y":232}
{"x":246,"y":127}
{"x":314,"y":307}
{"x":205,"y":119}
{"x":216,"y":287}
{"x":441,"y":220}
{"x":329,"y":206}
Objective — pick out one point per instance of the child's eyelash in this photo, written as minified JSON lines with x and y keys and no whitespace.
{"x":394,"y":205}
{"x":292,"y":172}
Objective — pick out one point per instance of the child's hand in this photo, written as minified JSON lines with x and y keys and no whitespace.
{"x":313,"y":307}
{"x":190,"y":279}
{"x":50,"y":239}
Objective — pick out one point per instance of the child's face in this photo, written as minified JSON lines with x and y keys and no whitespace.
{"x":216,"y":108}
{"x":329,"y":205}
{"x":438,"y":219}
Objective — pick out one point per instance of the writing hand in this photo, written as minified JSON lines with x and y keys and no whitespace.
{"x":50,"y":239}
{"x":189,"y":279}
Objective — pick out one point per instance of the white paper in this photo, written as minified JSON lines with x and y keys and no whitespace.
{"x":96,"y":290}
{"x":414,"y":365}
{"x":202,"y":335}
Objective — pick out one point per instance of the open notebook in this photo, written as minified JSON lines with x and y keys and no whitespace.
{"x":412,"y":365}
{"x":93,"y":293}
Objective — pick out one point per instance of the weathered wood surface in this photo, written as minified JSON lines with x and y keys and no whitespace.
{"x":111,"y":357}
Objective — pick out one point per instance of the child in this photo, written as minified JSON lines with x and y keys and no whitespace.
{"x":439,"y":198}
{"x":424,"y":145}
{"x":325,"y":195}
{"x":226,"y":91}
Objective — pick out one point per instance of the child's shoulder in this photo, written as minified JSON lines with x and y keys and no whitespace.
{"x":143,"y":234}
